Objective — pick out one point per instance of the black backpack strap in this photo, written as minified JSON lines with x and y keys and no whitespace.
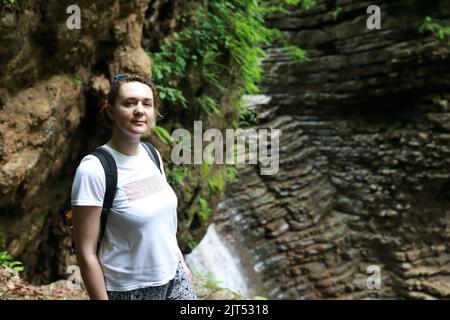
{"x":152,"y":153}
{"x":110,"y":168}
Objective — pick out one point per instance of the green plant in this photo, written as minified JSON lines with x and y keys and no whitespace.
{"x":209,"y":105}
{"x":213,"y":284}
{"x":442,"y":32}
{"x":177,"y":175}
{"x":297,"y":53}
{"x":208,"y":279}
{"x":191,"y":244}
{"x":8,"y":261}
{"x":214,"y":32}
{"x":164,"y":135}
{"x":172,"y":95}
{"x":212,"y":69}
{"x":231,"y":172}
{"x":336,"y":13}
{"x":247,"y":117}
{"x":305,"y":3}
{"x":77,"y":80}
{"x":168,"y":67}
{"x":204,"y":210}
{"x":216,"y":182}
{"x":205,"y":169}
{"x":19,"y":3}
{"x":284,"y":6}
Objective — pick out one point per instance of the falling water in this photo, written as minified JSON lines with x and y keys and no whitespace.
{"x":216,"y":259}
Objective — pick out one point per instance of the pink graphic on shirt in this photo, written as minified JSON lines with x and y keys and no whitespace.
{"x":142,"y":188}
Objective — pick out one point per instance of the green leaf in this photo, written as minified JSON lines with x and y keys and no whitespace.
{"x":178,"y":174}
{"x":7,"y":260}
{"x":440,"y":31}
{"x":209,"y":105}
{"x":204,"y":210}
{"x":162,"y":134}
{"x":297,"y":53}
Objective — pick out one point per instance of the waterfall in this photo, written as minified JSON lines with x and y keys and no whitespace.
{"x":223,"y":257}
{"x":215,"y":258}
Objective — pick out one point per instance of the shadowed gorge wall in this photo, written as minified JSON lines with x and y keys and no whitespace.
{"x":364,"y":157}
{"x":52,"y":84}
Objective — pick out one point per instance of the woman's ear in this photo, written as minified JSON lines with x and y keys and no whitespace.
{"x":109,"y":111}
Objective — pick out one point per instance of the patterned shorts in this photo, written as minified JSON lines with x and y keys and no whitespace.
{"x":179,"y":288}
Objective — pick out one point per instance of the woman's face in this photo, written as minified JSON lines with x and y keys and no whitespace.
{"x":133,"y":111}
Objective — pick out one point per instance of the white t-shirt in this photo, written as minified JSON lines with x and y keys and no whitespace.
{"x":139,"y":248}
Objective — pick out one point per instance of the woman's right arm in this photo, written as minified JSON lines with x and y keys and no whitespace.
{"x":86,"y":226}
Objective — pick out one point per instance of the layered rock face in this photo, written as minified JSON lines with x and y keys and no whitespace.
{"x":364,"y":179}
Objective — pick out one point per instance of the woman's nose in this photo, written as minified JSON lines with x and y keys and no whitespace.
{"x":139,"y":107}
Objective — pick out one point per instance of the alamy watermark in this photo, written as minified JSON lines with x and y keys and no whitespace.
{"x":74,"y":281}
{"x":374,"y":20}
{"x":374,"y":281}
{"x":74,"y":20}
{"x":231,"y":149}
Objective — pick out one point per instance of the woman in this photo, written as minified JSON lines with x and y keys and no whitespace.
{"x":138,"y":257}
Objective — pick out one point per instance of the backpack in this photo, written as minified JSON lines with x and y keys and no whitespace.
{"x":110,"y":168}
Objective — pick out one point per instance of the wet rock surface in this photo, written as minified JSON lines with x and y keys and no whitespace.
{"x":364,"y":158}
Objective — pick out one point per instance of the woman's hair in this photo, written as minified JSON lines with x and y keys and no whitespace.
{"x":116,"y":82}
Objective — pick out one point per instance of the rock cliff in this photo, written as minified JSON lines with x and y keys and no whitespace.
{"x":364,"y":157}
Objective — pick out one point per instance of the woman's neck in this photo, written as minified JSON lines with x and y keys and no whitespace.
{"x":129,"y":147}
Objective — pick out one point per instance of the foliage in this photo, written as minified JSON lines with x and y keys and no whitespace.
{"x":18,"y":3}
{"x":442,"y":32}
{"x":336,"y":13}
{"x":305,"y":3}
{"x":297,"y":53}
{"x":164,"y":135}
{"x":8,"y":261}
{"x":215,"y":179}
{"x":213,"y":284}
{"x":204,"y":210}
{"x":230,"y":174}
{"x":274,"y":6}
{"x":248,"y":117}
{"x":208,"y":279}
{"x":177,"y":175}
{"x":213,"y":32}
{"x":172,"y":95}
{"x":77,"y":80}
{"x":205,"y":169}
{"x":191,"y":244}
{"x":216,"y":182}
{"x":211,"y":69}
{"x":209,"y":105}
